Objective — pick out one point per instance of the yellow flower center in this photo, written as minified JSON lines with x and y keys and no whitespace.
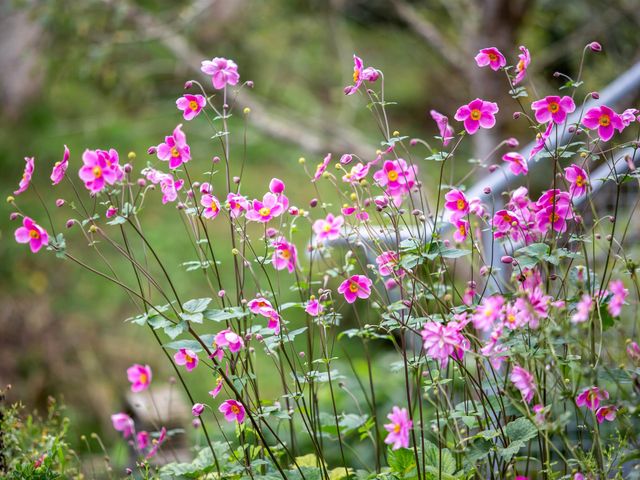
{"x":511,"y":318}
{"x":143,"y":378}
{"x":34,"y":234}
{"x":580,"y":181}
{"x":476,"y":114}
{"x":353,"y":287}
{"x":235,"y":409}
{"x":392,"y":175}
{"x":396,"y":428}
{"x":264,"y":211}
{"x":520,"y":66}
{"x":174,"y":152}
{"x":97,"y":172}
{"x":57,"y":164}
{"x":604,"y":121}
{"x":554,"y":217}
{"x":461,"y":204}
{"x":493,"y":57}
{"x":356,"y":75}
{"x":327,"y":227}
{"x":193,"y":105}
{"x":286,"y":254}
{"x":553,"y":107}
{"x":462,"y":229}
{"x":188,"y":358}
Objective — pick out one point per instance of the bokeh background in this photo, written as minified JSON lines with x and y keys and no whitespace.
{"x":106,"y":73}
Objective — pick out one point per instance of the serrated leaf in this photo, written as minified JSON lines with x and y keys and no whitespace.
{"x":196,"y":305}
{"x":188,"y":344}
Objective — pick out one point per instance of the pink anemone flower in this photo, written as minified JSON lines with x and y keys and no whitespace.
{"x":26,"y":175}
{"x":175,"y":149}
{"x":314,"y":307}
{"x":232,"y":411}
{"x":491,"y":57}
{"x":607,"y":413}
{"x":360,"y":74}
{"x":591,"y":397}
{"x":517,"y":163}
{"x":237,"y":204}
{"x":328,"y":228}
{"x":523,"y":381}
{"x":191,"y":105}
{"x":321,"y":167}
{"x":211,"y":206}
{"x":123,"y":423}
{"x":265,"y":210}
{"x":476,"y":114}
{"x":398,"y":429}
{"x":357,"y":286}
{"x":33,"y":234}
{"x":229,"y":339}
{"x":445,"y":130}
{"x":457,"y":204}
{"x":578,"y":178}
{"x":186,"y":357}
{"x":605,"y":120}
{"x":139,"y":376}
{"x":524,"y":59}
{"x":553,"y":108}
{"x":60,"y":167}
{"x":285,"y":255}
{"x":223,"y":72}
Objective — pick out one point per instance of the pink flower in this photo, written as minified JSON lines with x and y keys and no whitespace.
{"x":357,"y":286}
{"x":488,"y":312}
{"x":444,"y":341}
{"x":578,"y":476}
{"x":321,"y":168}
{"x":122,"y":423}
{"x":462,"y":230}
{"x":396,"y":176}
{"x":506,"y":222}
{"x":222,"y":71}
{"x":237,"y":204}
{"x":445,"y":130}
{"x":313,"y":307}
{"x":33,"y":234}
{"x":143,"y":440}
{"x":186,"y":357}
{"x":170,"y":188}
{"x":265,"y":210}
{"x":60,"y":168}
{"x":578,"y":179}
{"x":175,"y":149}
{"x":111,"y":212}
{"x":541,"y":140}
{"x":524,"y":59}
{"x":553,"y":108}
{"x":477,"y":114}
{"x":523,"y":381}
{"x":232,"y":410}
{"x":100,"y":168}
{"x":607,"y":413}
{"x":517,"y":163}
{"x":591,"y":398}
{"x":492,"y":57}
{"x":219,"y":382}
{"x":329,"y":228}
{"x":157,"y":442}
{"x":139,"y":376}
{"x":229,"y":339}
{"x":629,"y":116}
{"x":555,"y":216}
{"x":259,"y":305}
{"x":197,"y":409}
{"x":358,"y":172}
{"x":398,"y":429}
{"x":583,"y":309}
{"x":191,"y":105}
{"x":616,"y":287}
{"x":633,"y":351}
{"x":388,"y":263}
{"x":360,"y":74}
{"x":276,"y":186}
{"x":605,"y":120}
{"x":274,"y":321}
{"x":26,"y":176}
{"x":211,"y":206}
{"x":457,"y":204}
{"x":285,"y":255}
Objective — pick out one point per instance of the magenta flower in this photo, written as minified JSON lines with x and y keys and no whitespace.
{"x":444,"y":341}
{"x":219,"y":382}
{"x":123,"y":423}
{"x":139,"y":376}
{"x":541,"y":140}
{"x":360,"y":74}
{"x":523,"y":381}
{"x":26,"y":175}
{"x":462,"y":230}
{"x":517,"y":163}
{"x":60,"y":167}
{"x":259,"y":306}
{"x":633,"y":351}
{"x":605,"y":120}
{"x":265,"y":210}
{"x":554,"y":216}
{"x":491,"y":57}
{"x":229,"y":339}
{"x":186,"y":357}
{"x":191,"y":105}
{"x":616,"y":287}
{"x":553,"y":108}
{"x":398,"y":429}
{"x":629,"y":116}
{"x":222,"y":71}
{"x":197,"y":409}
{"x":276,"y":186}
{"x":321,"y":167}
{"x":170,"y":188}
{"x":583,"y":309}
{"x":157,"y":442}
{"x":387,"y":263}
{"x":476,"y":114}
{"x":357,"y":286}
{"x":274,"y":321}
{"x":174,"y":149}
{"x":358,"y":172}
{"x":33,"y":234}
{"x":211,"y":206}
{"x":456,"y":202}
{"x":445,"y":130}
{"x":607,"y":413}
{"x":591,"y":397}
{"x":578,"y":179}
{"x":232,"y":411}
{"x":328,"y":228}
{"x":237,"y":204}
{"x":100,"y":168}
{"x":285,"y":255}
{"x":313,"y":307}
{"x":111,"y":212}
{"x":396,"y":176}
{"x":143,"y":440}
{"x":524,"y":59}
{"x":488,"y":313}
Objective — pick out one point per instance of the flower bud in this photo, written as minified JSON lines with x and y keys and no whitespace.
{"x":271,"y":232}
{"x":197,"y":409}
{"x":59,"y":202}
{"x":222,"y":293}
{"x":236,"y":180}
{"x":127,"y":167}
{"x":276,"y":186}
{"x":10,"y":199}
{"x":215,"y":159}
{"x":595,"y":95}
{"x":301,"y":160}
{"x":493,"y":168}
{"x":595,"y":47}
{"x":294,"y":211}
{"x":142,"y":182}
{"x":346,"y":159}
{"x":69,"y":223}
{"x":152,"y":150}
{"x":516,"y":115}
{"x":249,"y":83}
{"x":487,"y":190}
{"x":512,"y":142}
{"x":111,"y":211}
{"x":188,"y":84}
{"x":507,"y":259}
{"x":13,"y":215}
{"x":246,"y":110}
{"x":413,"y":142}
{"x":313,"y":203}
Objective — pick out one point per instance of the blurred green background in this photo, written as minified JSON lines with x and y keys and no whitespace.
{"x":105,"y":74}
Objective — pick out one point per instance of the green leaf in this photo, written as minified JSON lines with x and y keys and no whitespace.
{"x":188,"y":344}
{"x":173,"y":331}
{"x":521,"y":429}
{"x":230,"y":313}
{"x":441,"y":460}
{"x":192,"y":317}
{"x":401,"y":461}
{"x":197,"y":305}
